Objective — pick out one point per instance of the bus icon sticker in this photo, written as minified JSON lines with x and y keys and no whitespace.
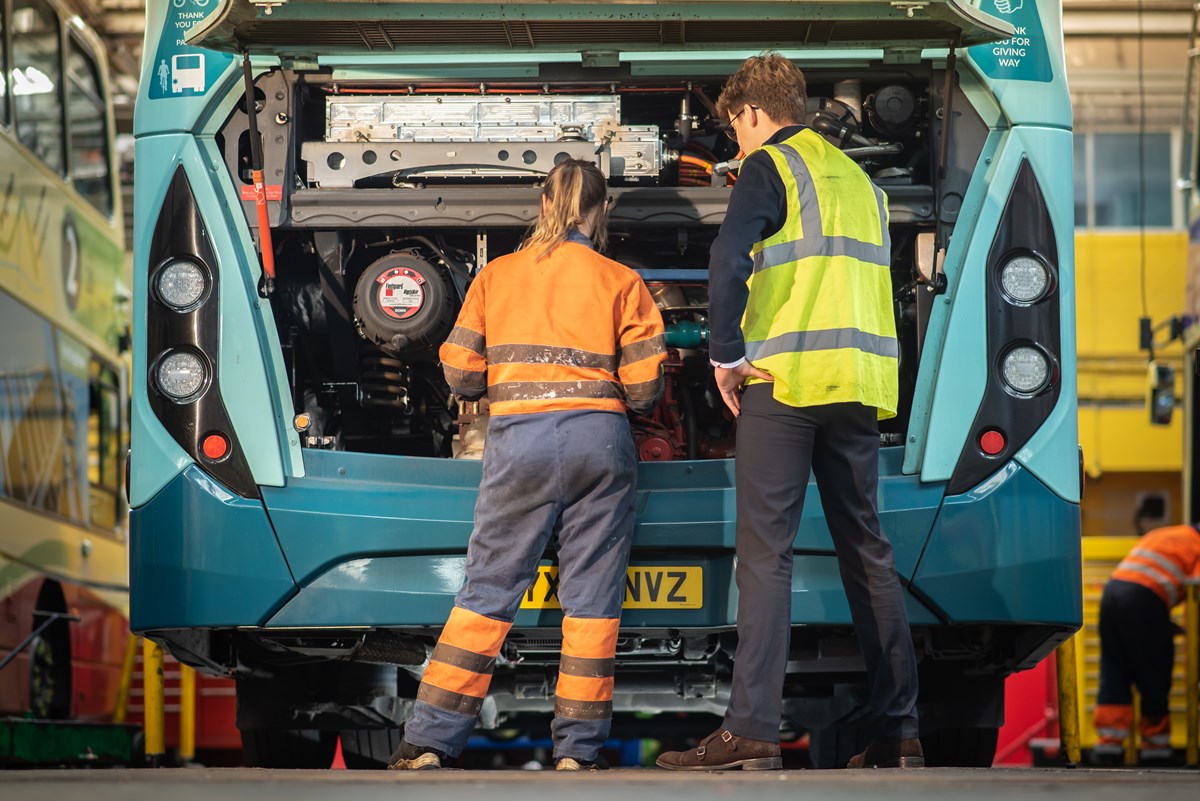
{"x":187,"y":72}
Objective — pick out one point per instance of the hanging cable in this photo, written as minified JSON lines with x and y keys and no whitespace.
{"x":1141,"y":145}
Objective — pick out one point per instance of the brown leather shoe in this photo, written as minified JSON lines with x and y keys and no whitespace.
{"x":723,"y":750}
{"x":883,"y":754}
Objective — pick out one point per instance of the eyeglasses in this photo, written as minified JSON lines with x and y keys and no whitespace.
{"x":727,"y":127}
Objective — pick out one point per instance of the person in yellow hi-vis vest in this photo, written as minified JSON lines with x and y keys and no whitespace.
{"x":801,"y":310}
{"x":1137,"y":639}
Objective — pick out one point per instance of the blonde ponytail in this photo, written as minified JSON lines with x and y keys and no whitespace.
{"x":573,"y":190}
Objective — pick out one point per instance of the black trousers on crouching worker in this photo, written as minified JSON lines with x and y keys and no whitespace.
{"x":777,"y":445}
{"x":1137,"y":647}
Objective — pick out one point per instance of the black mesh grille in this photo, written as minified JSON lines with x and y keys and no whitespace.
{"x":386,"y":35}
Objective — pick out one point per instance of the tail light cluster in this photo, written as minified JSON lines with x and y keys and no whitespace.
{"x":182,"y":329}
{"x":1023,"y":340}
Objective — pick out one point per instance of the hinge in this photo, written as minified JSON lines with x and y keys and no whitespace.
{"x":268,"y":5}
{"x":910,"y":7}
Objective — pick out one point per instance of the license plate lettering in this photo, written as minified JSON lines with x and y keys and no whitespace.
{"x":646,"y":587}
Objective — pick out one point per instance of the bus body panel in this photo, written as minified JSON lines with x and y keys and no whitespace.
{"x":408,"y":591}
{"x":1052,"y":454}
{"x":1019,"y":570}
{"x":246,"y":335}
{"x":1028,"y":94}
{"x":203,"y":555}
{"x":936,"y":367}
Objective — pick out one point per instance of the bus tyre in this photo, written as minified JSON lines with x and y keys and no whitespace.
{"x":369,"y":749}
{"x":960,"y":746}
{"x":288,"y":748}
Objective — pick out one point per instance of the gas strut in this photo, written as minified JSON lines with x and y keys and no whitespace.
{"x":266,"y":251}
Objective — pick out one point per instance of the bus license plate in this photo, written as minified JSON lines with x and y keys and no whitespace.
{"x":646,"y":587}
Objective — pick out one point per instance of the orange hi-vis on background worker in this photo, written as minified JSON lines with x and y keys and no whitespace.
{"x":562,"y":341}
{"x":1137,"y":639}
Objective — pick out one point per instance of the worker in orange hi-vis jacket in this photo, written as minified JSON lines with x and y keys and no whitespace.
{"x":562,"y":341}
{"x":1137,"y":646}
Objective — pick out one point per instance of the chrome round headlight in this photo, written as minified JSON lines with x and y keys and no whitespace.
{"x":181,"y":376}
{"x":181,"y":284}
{"x":1024,"y":279}
{"x":1025,"y":369}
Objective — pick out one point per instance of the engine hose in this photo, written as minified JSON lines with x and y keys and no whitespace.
{"x":873,"y":150}
{"x":689,"y":420}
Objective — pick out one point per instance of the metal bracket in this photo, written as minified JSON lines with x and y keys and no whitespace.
{"x":51,"y":617}
{"x":268,"y":5}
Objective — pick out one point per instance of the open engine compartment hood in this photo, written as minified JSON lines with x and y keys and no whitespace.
{"x":310,"y":28}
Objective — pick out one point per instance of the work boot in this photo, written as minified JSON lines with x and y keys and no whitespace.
{"x":724,"y":750}
{"x":885,"y":754}
{"x":415,"y":757}
{"x":1112,"y":722}
{"x":571,"y":763}
{"x":1156,"y":738}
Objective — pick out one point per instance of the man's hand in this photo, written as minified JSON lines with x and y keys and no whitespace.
{"x":730,"y":383}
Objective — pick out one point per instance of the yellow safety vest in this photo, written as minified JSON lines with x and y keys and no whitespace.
{"x":819,"y":315}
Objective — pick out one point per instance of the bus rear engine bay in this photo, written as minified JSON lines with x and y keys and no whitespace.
{"x":404,"y":192}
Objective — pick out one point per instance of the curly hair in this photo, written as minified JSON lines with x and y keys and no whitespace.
{"x":769,"y":81}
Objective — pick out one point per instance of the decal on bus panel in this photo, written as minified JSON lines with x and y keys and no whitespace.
{"x":179,"y":69}
{"x":1024,"y":56}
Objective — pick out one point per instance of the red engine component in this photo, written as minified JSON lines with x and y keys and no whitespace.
{"x":659,"y":435}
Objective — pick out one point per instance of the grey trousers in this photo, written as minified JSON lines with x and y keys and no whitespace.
{"x":777,"y":445}
{"x":562,"y":476}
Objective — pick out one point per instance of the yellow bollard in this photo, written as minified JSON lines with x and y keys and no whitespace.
{"x":187,"y":714}
{"x":122,"y":708}
{"x":1191,"y":641}
{"x":1131,"y":751}
{"x":154,"y":711}
{"x":1068,"y":701}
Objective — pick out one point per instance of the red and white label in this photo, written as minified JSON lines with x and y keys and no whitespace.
{"x":273,"y":191}
{"x":401,"y":294}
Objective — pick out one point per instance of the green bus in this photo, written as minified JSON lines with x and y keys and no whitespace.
{"x":64,"y":317}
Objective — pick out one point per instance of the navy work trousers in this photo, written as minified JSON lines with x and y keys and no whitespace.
{"x":567,"y":477}
{"x":777,"y":445}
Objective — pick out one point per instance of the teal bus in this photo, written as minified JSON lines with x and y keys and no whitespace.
{"x":317,"y":185}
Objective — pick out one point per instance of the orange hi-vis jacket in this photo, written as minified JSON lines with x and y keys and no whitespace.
{"x":1163,"y":560}
{"x":574,"y":330}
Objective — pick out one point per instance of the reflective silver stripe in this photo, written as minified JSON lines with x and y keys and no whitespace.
{"x":1113,"y":733}
{"x":552,"y":390}
{"x":810,"y":206}
{"x":550,"y":354}
{"x":787,"y":252}
{"x":827,"y":339}
{"x":466,"y":338}
{"x":1160,"y":560}
{"x":1162,"y":581}
{"x":465,"y":382}
{"x":643,"y":349}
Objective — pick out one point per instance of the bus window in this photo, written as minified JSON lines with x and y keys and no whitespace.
{"x":104,"y":432}
{"x":1123,"y":199}
{"x":36,"y":79}
{"x":88,"y":129}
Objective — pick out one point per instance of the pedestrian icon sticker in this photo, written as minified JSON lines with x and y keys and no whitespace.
{"x":180,"y":70}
